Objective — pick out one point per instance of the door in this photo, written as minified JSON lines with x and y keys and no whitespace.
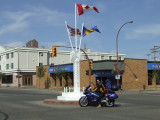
{"x":27,"y":80}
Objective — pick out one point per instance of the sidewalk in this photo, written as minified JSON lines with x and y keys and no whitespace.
{"x":58,"y":91}
{"x":155,"y":90}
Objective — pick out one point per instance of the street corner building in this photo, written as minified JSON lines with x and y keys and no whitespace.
{"x":34,"y":66}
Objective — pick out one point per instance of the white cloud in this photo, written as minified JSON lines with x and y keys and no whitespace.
{"x":14,"y":44}
{"x":49,"y":44}
{"x":52,"y":17}
{"x":150,"y":29}
{"x":13,"y":27}
{"x":21,"y":20}
{"x":145,"y":31}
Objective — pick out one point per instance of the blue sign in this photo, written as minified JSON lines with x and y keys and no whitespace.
{"x":65,"y":68}
{"x":153,"y":66}
{"x":103,"y":73}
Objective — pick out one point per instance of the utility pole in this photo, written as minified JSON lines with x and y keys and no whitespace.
{"x":148,"y":55}
{"x":154,"y":50}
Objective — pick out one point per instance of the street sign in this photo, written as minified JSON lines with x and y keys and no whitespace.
{"x":117,"y":77}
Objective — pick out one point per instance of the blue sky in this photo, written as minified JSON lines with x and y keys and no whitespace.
{"x":44,"y":20}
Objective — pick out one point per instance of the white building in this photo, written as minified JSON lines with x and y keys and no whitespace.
{"x":19,"y":64}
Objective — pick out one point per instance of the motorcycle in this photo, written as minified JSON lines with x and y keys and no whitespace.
{"x":92,"y":98}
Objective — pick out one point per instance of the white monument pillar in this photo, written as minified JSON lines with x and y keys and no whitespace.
{"x":76,"y":94}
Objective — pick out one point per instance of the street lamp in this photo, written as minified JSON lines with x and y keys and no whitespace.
{"x":116,"y":64}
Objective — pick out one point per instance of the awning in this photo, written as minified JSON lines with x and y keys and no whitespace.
{"x":65,"y":68}
{"x":104,"y":73}
{"x":153,"y":66}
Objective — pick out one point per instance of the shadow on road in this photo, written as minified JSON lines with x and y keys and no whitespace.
{"x":5,"y":115}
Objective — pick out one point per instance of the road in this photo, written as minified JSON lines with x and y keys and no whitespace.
{"x":27,"y":104}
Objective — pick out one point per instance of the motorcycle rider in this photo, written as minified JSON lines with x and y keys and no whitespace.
{"x":101,"y":89}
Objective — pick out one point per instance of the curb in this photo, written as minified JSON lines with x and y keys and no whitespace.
{"x":61,"y":102}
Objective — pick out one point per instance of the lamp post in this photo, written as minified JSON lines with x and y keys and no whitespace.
{"x":116,"y":64}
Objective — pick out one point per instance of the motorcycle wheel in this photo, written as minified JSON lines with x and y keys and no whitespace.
{"x":110,"y":103}
{"x":83,"y":102}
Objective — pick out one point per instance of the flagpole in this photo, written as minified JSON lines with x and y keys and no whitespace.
{"x":69,"y":36}
{"x":81,"y":37}
{"x":75,"y":26}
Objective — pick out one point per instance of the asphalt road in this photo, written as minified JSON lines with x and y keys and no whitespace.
{"x":26,"y":104}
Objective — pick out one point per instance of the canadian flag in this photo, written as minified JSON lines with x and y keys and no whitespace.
{"x":84,"y":8}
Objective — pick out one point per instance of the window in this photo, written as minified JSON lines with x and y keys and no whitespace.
{"x":85,"y":57}
{"x":7,"y":56}
{"x":102,"y":57}
{"x":7,"y":79}
{"x":7,"y":66}
{"x":12,"y":54}
{"x":12,"y":65}
{"x":40,"y":64}
{"x":40,"y":54}
{"x":110,"y":57}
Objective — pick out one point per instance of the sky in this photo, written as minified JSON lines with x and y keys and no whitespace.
{"x":44,"y":20}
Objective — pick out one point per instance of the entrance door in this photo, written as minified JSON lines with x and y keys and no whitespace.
{"x":27,"y":80}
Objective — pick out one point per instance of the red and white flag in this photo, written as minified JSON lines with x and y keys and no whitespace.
{"x":84,"y":8}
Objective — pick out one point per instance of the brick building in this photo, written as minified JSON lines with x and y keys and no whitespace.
{"x":134,"y":74}
{"x":62,"y":76}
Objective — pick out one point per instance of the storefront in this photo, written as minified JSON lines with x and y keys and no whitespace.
{"x":135,"y":74}
{"x":153,"y":74}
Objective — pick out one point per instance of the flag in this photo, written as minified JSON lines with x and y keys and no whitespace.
{"x":84,"y":8}
{"x":88,"y":31}
{"x":96,"y":29}
{"x":73,"y":31}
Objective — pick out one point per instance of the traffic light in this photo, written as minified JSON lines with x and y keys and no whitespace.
{"x":91,"y":64}
{"x":54,"y":51}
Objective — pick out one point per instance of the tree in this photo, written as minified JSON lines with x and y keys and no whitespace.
{"x":41,"y":73}
{"x":60,"y":72}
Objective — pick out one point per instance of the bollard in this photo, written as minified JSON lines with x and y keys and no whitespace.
{"x":69,"y":89}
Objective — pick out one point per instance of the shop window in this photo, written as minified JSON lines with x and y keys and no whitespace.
{"x":150,"y":77}
{"x":157,"y":77}
{"x":7,"y":79}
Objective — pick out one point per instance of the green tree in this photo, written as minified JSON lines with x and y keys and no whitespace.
{"x":60,"y":72}
{"x":41,"y":73}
